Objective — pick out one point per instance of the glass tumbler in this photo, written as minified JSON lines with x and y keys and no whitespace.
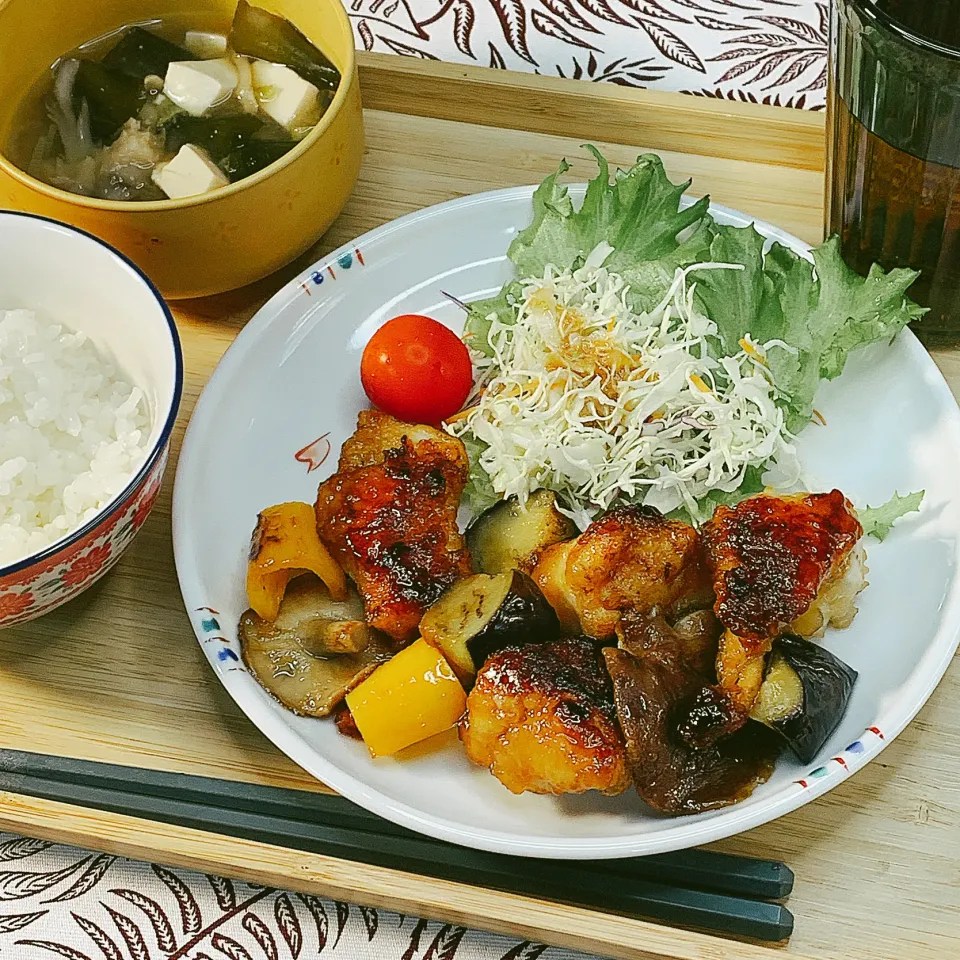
{"x":893,"y":163}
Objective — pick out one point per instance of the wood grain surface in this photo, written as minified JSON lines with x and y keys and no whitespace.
{"x":603,"y":111}
{"x":118,"y":675}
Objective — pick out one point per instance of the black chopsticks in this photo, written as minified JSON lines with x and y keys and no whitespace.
{"x":695,"y":888}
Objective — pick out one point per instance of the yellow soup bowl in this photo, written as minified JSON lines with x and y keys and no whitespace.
{"x":217,"y":241}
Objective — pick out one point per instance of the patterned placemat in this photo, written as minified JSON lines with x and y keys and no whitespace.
{"x":60,"y":901}
{"x":761,"y":51}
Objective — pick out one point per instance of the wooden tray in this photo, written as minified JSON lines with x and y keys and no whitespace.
{"x":118,"y":675}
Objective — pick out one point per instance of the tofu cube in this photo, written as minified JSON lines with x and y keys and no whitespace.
{"x":198,"y":85}
{"x":189,"y":173}
{"x":209,"y":46}
{"x":285,"y":96}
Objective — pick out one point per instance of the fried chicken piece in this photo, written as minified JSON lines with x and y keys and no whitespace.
{"x":377,"y":433}
{"x":389,"y":515}
{"x":631,"y":558}
{"x":779,"y":563}
{"x":740,"y":667}
{"x":770,"y":556}
{"x":835,"y":604}
{"x":541,"y":718}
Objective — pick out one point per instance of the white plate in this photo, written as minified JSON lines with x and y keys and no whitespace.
{"x":287,"y":394}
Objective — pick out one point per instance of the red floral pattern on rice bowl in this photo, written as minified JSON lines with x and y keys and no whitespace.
{"x":39,"y":588}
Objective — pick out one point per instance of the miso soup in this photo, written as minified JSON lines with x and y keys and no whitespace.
{"x":164,"y":111}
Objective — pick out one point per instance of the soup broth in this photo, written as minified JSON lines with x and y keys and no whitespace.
{"x":169,"y":109}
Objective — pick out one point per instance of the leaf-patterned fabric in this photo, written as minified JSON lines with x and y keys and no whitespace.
{"x":57,"y":901}
{"x":761,"y":51}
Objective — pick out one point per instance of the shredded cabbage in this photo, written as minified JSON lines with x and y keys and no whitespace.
{"x":588,"y":398}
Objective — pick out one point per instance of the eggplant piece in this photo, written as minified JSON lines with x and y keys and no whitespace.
{"x":140,"y":53}
{"x":653,"y":688}
{"x":252,"y":157}
{"x":112,"y":98}
{"x":805,"y":693}
{"x":266,"y":36}
{"x":315,"y":652}
{"x":217,"y":135}
{"x":482,"y":614}
{"x":510,"y":537}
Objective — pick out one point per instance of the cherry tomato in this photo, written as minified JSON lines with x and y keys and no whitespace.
{"x":417,"y":370}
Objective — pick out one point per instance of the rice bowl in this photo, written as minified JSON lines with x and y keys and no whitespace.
{"x":87,"y":406}
{"x":72,"y":431}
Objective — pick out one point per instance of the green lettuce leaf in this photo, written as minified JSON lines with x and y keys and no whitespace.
{"x":478,"y":494}
{"x":649,"y":280}
{"x":830,"y":314}
{"x":740,"y":301}
{"x":638,"y":214}
{"x":822,"y":310}
{"x":752,"y":484}
{"x":877,"y":521}
{"x":476,"y":330}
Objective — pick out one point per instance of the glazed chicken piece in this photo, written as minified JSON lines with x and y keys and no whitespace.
{"x":631,"y":558}
{"x":780,"y":563}
{"x":378,"y":433}
{"x":541,"y":718}
{"x":389,"y":515}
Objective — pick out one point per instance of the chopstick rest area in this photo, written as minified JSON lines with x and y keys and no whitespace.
{"x":708,"y":891}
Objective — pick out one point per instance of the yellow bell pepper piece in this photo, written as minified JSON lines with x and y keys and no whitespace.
{"x":411,"y":697}
{"x":285,"y":544}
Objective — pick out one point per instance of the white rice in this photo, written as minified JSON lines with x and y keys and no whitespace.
{"x":73,"y":432}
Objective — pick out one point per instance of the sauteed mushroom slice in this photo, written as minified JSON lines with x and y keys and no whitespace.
{"x":315,"y":651}
{"x":654,"y":689}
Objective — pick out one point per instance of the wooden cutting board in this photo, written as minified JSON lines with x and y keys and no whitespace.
{"x":118,"y":675}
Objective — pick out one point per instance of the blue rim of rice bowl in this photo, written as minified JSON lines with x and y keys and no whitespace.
{"x":162,"y":440}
